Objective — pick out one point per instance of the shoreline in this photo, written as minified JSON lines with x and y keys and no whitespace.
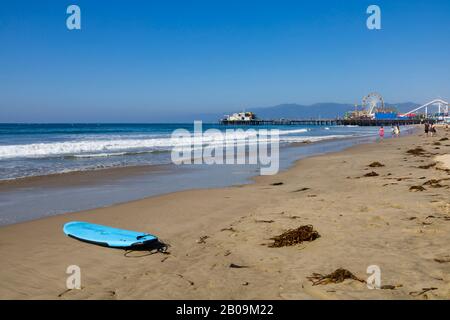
{"x":32,"y":179}
{"x":377,"y":214}
{"x":36,"y":188}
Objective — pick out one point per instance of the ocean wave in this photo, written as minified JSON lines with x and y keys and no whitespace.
{"x":117,"y":146}
{"x":314,"y":138}
{"x":113,"y":154}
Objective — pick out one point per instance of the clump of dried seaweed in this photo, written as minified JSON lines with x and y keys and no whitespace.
{"x":427,"y":166}
{"x":295,"y":236}
{"x":433,"y":183}
{"x":301,"y":190}
{"x":421,"y":292}
{"x":443,"y":139}
{"x":418,"y":151}
{"x":417,"y":188}
{"x":337,"y":276}
{"x":371,"y":174}
{"x":376,"y":164}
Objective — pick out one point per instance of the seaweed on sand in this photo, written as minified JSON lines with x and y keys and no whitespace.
{"x":443,"y":139}
{"x":423,"y":291}
{"x":301,"y":190}
{"x":295,"y":236}
{"x":427,"y":166}
{"x":237,"y":266}
{"x":417,"y":188}
{"x":277,"y":184}
{"x":264,"y":221}
{"x":376,"y":164}
{"x":202,"y":239}
{"x":442,"y":260}
{"x":418,"y":151}
{"x":433,"y":183}
{"x":371,"y":174}
{"x":337,"y":276}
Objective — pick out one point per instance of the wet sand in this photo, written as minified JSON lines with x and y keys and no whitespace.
{"x":79,"y":178}
{"x":398,"y":219}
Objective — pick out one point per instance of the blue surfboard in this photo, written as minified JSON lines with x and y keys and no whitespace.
{"x":107,"y":236}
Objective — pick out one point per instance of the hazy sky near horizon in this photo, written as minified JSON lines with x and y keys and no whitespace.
{"x":138,"y":60}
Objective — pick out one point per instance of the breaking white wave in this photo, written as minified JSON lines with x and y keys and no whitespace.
{"x":120,"y":146}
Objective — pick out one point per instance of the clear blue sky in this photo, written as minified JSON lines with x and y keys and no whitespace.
{"x":134,"y":60}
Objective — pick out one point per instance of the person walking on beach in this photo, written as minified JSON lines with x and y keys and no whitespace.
{"x":381,"y":132}
{"x":427,"y":128}
{"x":432,"y":129}
{"x":396,"y":131}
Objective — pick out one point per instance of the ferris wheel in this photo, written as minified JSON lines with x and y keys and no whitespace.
{"x":373,"y":102}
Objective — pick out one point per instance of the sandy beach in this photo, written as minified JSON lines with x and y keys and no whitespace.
{"x":397,"y":217}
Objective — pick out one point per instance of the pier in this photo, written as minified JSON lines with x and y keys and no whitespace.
{"x":364,"y":118}
{"x":327,"y":122}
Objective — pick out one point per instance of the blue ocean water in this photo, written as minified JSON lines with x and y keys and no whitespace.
{"x":42,"y":149}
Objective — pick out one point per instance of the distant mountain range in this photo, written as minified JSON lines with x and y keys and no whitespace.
{"x":298,"y":111}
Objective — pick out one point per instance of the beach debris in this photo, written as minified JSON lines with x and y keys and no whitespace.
{"x":417,"y":188}
{"x":337,"y":276}
{"x":228,"y":229}
{"x":236,"y":266}
{"x":376,"y":164}
{"x":64,"y":292}
{"x":227,"y":253}
{"x":444,"y":259}
{"x":277,"y":184}
{"x":418,"y":293}
{"x":418,"y":151}
{"x":301,"y":190}
{"x":390,"y":184}
{"x":371,"y":174}
{"x":182,"y":277}
{"x":295,"y":236}
{"x":202,"y":239}
{"x":443,"y":139}
{"x":433,"y":183}
{"x":112,"y":293}
{"x":264,"y":221}
{"x":388,"y":287}
{"x":245,"y":283}
{"x":443,"y":169}
{"x":427,"y":166}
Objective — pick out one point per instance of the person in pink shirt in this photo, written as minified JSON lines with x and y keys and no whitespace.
{"x":381,"y":132}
